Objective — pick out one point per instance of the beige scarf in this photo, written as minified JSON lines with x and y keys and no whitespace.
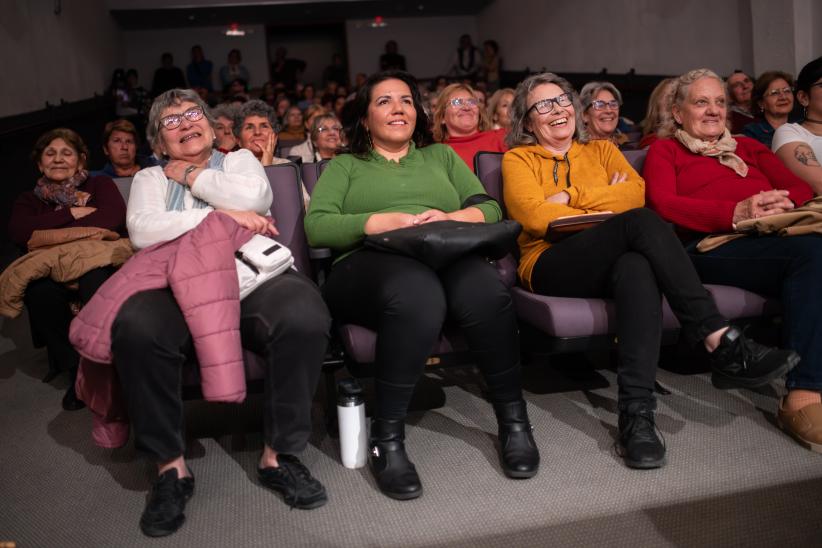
{"x":723,"y":149}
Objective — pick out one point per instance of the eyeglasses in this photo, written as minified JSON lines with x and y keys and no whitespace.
{"x":332,"y":129}
{"x":173,"y":121}
{"x":547,"y":105}
{"x":458,"y":102}
{"x":598,"y":104}
{"x":780,"y":92}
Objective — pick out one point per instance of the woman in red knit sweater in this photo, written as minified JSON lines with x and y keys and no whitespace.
{"x":705,"y":181}
{"x":461,"y":123}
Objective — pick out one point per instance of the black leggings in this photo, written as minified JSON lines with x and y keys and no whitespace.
{"x":48,"y":305}
{"x":631,"y":258}
{"x":406,"y":303}
{"x":284,"y":321}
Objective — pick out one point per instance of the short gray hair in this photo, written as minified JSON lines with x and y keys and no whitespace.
{"x":226,"y":110}
{"x":168,"y":99}
{"x":318,"y":120}
{"x":680,"y":93}
{"x":590,"y":90}
{"x":519,"y":135}
{"x":255,"y":107}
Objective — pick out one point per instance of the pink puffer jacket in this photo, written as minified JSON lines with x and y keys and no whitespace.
{"x":200,"y":270}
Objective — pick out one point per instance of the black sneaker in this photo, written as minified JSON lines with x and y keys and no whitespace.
{"x":740,"y":362}
{"x":164,"y":511}
{"x":639,"y":445}
{"x":294,"y":482}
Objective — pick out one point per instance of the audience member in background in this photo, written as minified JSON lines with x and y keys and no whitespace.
{"x":167,"y":76}
{"x":269,"y":93}
{"x":339,"y":105}
{"x":553,"y":170}
{"x":281,"y":108}
{"x":391,"y":59}
{"x":799,"y":146}
{"x":118,"y":91}
{"x":498,"y":108}
{"x":395,"y":179}
{"x":307,"y":98}
{"x":460,"y":123}
{"x":479,"y":95}
{"x":285,"y":70}
{"x":120,"y":142}
{"x":65,"y":196}
{"x":600,"y":111}
{"x":255,"y":126}
{"x":659,"y":110}
{"x":491,"y":65}
{"x":310,"y":113}
{"x":284,"y":320}
{"x":324,"y":140}
{"x":704,"y":181}
{"x":359,"y":82}
{"x":224,"y":127}
{"x":293,"y":126}
{"x":336,"y":71}
{"x":237,"y":89}
{"x":199,"y":70}
{"x":466,"y":61}
{"x":773,"y":96}
{"x":234,"y":70}
{"x":740,"y":86}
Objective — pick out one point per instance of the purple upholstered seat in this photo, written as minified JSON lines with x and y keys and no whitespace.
{"x":311,"y":173}
{"x":636,"y":158}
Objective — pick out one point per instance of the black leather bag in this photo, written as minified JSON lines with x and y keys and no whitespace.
{"x":440,"y":243}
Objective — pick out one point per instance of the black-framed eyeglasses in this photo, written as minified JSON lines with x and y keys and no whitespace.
{"x":173,"y":121}
{"x":459,"y":102}
{"x":545,"y":106}
{"x":598,"y":104}
{"x":780,"y":92}
{"x":332,"y":129}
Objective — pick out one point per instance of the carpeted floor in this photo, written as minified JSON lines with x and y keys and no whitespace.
{"x":732,"y":479}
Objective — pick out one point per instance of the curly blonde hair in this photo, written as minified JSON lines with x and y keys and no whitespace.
{"x":439,"y":130}
{"x":683,"y":85}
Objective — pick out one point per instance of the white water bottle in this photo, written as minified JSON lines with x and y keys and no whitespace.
{"x":351,"y":417}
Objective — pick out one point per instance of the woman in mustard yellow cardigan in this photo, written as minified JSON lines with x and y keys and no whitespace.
{"x":553,"y":170}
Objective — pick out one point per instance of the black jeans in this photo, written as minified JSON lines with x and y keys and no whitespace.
{"x":788,"y":268}
{"x":631,"y":258}
{"x":406,"y":303}
{"x":284,"y":321}
{"x":48,"y":304}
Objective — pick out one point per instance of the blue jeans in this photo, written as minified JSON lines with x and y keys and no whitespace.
{"x":788,"y":268}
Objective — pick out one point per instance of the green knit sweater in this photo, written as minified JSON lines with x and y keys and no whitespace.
{"x":352,"y":189}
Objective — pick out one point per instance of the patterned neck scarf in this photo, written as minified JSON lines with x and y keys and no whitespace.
{"x":176,"y":192}
{"x":63,"y":194}
{"x":723,"y":149}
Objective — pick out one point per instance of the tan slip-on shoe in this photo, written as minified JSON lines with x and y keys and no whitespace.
{"x":804,"y":425}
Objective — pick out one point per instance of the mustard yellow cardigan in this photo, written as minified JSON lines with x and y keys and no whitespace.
{"x":531,"y":174}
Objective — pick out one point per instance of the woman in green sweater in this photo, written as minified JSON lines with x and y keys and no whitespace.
{"x":394,"y":179}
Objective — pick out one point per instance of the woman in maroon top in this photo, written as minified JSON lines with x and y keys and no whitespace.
{"x":65,"y":196}
{"x":461,"y":123}
{"x":705,"y":181}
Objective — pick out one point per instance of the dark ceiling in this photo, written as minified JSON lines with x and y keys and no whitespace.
{"x":293,"y":14}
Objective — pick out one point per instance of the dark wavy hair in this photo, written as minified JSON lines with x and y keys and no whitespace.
{"x":359,"y":141}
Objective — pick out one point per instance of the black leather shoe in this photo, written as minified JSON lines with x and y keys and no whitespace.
{"x":294,"y":482}
{"x":51,"y":375}
{"x":639,"y":444}
{"x":163,"y":514}
{"x":396,"y":475}
{"x":740,"y":362}
{"x":70,"y":400}
{"x":519,"y":455}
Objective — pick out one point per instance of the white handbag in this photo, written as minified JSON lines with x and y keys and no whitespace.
{"x":258,"y":260}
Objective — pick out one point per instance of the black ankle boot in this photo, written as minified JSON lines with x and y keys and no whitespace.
{"x":70,"y":400}
{"x":396,"y":475}
{"x":639,"y":443}
{"x":519,"y":455}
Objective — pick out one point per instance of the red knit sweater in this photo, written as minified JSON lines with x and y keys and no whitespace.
{"x":488,"y":141}
{"x":699,"y":194}
{"x":30,"y":213}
